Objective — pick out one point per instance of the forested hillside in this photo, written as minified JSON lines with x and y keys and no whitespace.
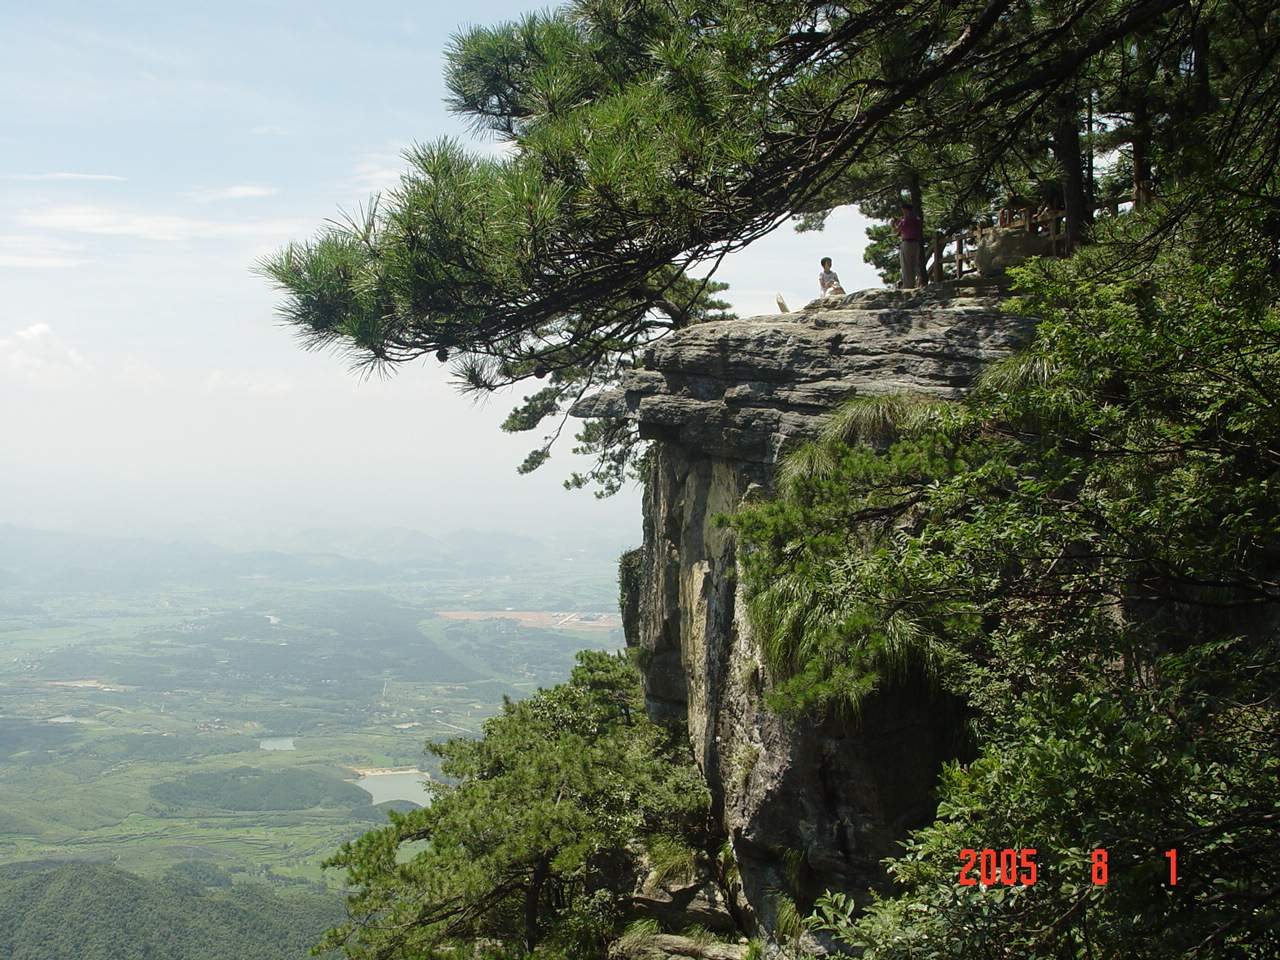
{"x":247,"y":788}
{"x":97,"y":912}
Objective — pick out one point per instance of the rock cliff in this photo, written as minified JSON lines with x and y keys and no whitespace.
{"x":808,"y":805}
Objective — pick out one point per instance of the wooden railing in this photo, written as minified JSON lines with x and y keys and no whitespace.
{"x":959,"y":251}
{"x":954,"y":256}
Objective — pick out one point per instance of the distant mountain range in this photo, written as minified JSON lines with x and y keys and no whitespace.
{"x":73,"y":561}
{"x":48,"y":559}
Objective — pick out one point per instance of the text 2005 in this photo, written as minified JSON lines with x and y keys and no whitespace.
{"x":998,"y":866}
{"x":1010,"y":867}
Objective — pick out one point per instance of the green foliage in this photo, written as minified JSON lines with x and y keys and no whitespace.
{"x":1190,"y":767}
{"x":789,"y":924}
{"x":638,"y":935}
{"x":1166,"y":101}
{"x":202,"y":873}
{"x":1071,"y":545}
{"x":559,"y":782}
{"x":671,"y":860}
{"x":630,"y":571}
{"x":828,"y":624}
{"x":85,"y":911}
{"x":881,"y":250}
{"x":1084,"y":549}
{"x":251,"y":788}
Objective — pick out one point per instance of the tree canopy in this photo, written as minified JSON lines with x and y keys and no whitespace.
{"x":645,"y":139}
{"x":516,"y":851}
{"x":95,"y":911}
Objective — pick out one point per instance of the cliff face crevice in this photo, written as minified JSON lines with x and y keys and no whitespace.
{"x":808,"y":805}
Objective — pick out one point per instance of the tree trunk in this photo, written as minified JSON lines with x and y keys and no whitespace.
{"x":1090,"y":182}
{"x":917,"y":201}
{"x":1066,"y":150}
{"x":532,"y":899}
{"x":1141,"y":141}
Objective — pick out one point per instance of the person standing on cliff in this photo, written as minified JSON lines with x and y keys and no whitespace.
{"x":828,"y":282}
{"x":910,"y":229}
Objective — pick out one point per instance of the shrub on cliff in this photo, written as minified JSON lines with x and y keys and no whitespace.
{"x":511,"y":856}
{"x":1186,"y":763}
{"x":1086,"y":551}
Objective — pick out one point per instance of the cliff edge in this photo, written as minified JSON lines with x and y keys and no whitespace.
{"x":808,"y":805}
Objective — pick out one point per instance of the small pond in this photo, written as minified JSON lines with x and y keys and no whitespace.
{"x":400,"y":785}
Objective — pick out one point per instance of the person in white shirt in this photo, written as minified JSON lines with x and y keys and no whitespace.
{"x":828,"y":281}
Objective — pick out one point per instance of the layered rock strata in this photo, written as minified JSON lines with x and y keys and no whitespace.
{"x":808,"y":805}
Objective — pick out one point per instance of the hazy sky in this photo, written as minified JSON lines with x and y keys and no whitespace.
{"x":149,"y":154}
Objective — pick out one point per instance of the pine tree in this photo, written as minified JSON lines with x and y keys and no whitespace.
{"x":516,"y":849}
{"x":644,"y":140}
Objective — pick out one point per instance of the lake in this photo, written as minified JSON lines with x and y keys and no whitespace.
{"x":402,"y":785}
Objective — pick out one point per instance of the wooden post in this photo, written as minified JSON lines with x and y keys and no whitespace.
{"x":960,"y":256}
{"x":935,"y":267}
{"x":1053,"y":232}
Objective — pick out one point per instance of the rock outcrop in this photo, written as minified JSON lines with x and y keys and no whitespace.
{"x":662,"y":946}
{"x":1000,"y":249}
{"x":807,"y":805}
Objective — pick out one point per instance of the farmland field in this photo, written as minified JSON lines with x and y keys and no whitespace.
{"x":225,"y":719}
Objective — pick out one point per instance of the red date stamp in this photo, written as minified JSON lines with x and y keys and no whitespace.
{"x":1008,"y":867}
{"x":1013,"y":867}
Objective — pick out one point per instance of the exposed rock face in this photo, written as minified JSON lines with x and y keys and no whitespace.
{"x":741,"y":389}
{"x":679,"y":900}
{"x":661,"y":946}
{"x":808,"y":806}
{"x":679,"y":905}
{"x":1009,"y":247}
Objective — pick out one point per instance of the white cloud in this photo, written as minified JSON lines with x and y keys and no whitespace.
{"x":35,"y":252}
{"x":36,"y":354}
{"x":240,"y":191}
{"x":61,"y":176}
{"x":105,"y":221}
{"x":379,"y":170}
